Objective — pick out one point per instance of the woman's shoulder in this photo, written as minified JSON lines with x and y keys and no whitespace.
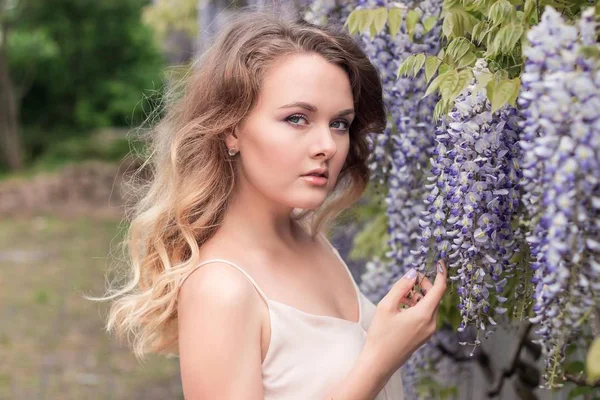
{"x":216,"y":281}
{"x":217,"y":288}
{"x":218,"y":273}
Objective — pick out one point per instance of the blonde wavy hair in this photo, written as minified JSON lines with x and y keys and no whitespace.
{"x":190,"y":176}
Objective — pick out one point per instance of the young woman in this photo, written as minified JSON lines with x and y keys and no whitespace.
{"x":229,"y":266}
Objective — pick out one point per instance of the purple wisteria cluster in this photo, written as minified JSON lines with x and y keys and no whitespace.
{"x":400,"y":158}
{"x":561,"y":144}
{"x":400,"y":155}
{"x":474,"y":196}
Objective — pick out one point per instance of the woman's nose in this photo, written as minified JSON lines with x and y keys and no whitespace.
{"x":324,"y":144}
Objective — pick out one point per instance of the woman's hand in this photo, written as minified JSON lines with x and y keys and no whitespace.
{"x":394,"y":333}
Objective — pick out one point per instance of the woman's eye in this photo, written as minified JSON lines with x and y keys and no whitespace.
{"x":343,"y":122}
{"x":294,"y":118}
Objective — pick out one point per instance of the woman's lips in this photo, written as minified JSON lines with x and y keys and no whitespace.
{"x":315,"y":180}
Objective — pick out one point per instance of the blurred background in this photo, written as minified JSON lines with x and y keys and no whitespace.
{"x":76,"y":78}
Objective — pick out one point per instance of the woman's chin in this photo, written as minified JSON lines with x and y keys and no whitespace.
{"x":310,"y":205}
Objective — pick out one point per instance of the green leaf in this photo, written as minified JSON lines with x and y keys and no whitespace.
{"x":482,"y":5}
{"x":444,"y":68}
{"x":530,"y":9}
{"x":380,"y":17}
{"x":502,"y":11}
{"x":431,"y":65}
{"x":590,"y":51}
{"x":352,"y":21}
{"x":515,"y":31}
{"x":406,"y":66}
{"x":457,"y":48}
{"x":464,"y":79}
{"x":395,"y":20}
{"x":412,"y":17}
{"x":434,"y":84}
{"x":419,"y":62}
{"x":448,"y":24}
{"x":365,"y":19}
{"x":372,"y":31}
{"x":513,"y":99}
{"x":493,"y":45}
{"x":502,"y":92}
{"x":458,"y":23}
{"x":505,"y":39}
{"x":450,"y":4}
{"x":479,"y":31}
{"x":441,"y":108}
{"x":448,"y":84}
{"x":437,"y":111}
{"x":460,"y":52}
{"x":574,"y":367}
{"x":580,"y":391}
{"x":592,"y":362}
{"x":429,"y":23}
{"x":467,"y":61}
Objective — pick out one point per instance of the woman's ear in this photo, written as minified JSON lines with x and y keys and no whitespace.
{"x":232,"y":139}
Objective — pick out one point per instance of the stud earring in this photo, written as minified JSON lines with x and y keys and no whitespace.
{"x":232,"y":152}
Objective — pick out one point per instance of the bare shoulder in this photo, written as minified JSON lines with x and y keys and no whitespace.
{"x":219,"y":328}
{"x":219,"y":284}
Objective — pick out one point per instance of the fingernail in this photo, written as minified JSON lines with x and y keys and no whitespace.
{"x":440,"y":267}
{"x":410,"y":274}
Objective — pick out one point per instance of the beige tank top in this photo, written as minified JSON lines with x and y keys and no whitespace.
{"x":308,"y":354}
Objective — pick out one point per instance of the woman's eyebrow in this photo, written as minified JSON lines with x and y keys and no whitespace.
{"x":310,"y":107}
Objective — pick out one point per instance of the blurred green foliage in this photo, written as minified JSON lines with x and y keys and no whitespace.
{"x":78,"y":148}
{"x":79,"y":65}
{"x":84,"y":148}
{"x":167,"y":16}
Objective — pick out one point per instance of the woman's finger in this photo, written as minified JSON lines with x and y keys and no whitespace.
{"x":435,"y":293}
{"x":399,"y":290}
{"x":425,"y":283}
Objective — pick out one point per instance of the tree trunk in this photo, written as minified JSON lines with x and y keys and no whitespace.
{"x":11,"y":153}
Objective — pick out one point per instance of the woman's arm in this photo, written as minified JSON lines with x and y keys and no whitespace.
{"x":219,"y":335}
{"x":394,"y":335}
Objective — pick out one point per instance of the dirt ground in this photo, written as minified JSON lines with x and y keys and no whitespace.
{"x":52,"y":341}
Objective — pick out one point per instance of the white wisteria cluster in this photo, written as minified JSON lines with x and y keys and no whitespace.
{"x":561,"y":143}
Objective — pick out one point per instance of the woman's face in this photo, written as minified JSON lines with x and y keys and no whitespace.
{"x":300,"y":123}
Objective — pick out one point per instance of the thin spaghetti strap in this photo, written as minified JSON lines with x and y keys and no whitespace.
{"x":339,"y":256}
{"x":258,"y":289}
{"x":330,"y":245}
